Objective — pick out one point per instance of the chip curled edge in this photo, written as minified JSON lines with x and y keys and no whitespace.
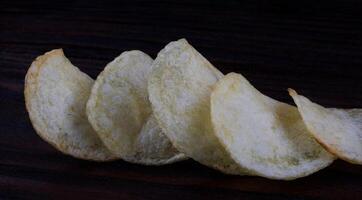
{"x":56,"y":93}
{"x":179,"y":90}
{"x":263,"y":135}
{"x":338,"y":130}
{"x":120,"y":112}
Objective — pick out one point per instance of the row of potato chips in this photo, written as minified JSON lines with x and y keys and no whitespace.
{"x":179,"y":105}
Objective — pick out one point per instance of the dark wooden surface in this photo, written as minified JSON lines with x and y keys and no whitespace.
{"x":313,"y":46}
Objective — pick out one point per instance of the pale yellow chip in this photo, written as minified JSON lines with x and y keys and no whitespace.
{"x":263,"y":135}
{"x":56,"y":93}
{"x":120,"y":112}
{"x":179,"y":90}
{"x":338,"y":130}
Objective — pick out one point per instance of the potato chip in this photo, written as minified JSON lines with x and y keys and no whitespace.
{"x":56,"y":93}
{"x":119,"y":111}
{"x":338,"y":130}
{"x":179,"y":90}
{"x":263,"y":135}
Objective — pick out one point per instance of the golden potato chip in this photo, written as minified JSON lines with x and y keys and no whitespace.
{"x":179,"y":90}
{"x":119,"y":111}
{"x":338,"y":130}
{"x":263,"y":135}
{"x":56,"y":93}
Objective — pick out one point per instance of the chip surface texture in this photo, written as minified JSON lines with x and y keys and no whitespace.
{"x":179,"y":89}
{"x":338,"y":130}
{"x":56,"y":93}
{"x":263,"y":135}
{"x":120,"y":112}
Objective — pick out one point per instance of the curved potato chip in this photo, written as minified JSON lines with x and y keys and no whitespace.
{"x":118,"y":109}
{"x":263,"y":135}
{"x":179,"y":88}
{"x":56,"y":93}
{"x":338,"y":130}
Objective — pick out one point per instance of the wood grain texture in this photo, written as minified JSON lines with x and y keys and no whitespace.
{"x":314,"y":47}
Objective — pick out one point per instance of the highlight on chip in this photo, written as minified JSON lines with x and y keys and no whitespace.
{"x":338,"y":130}
{"x":179,"y":90}
{"x":263,"y":135}
{"x":120,"y":112}
{"x":56,"y":93}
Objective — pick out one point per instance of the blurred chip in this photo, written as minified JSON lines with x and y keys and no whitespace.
{"x":338,"y":130}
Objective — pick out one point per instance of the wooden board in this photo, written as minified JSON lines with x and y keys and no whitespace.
{"x":314,"y":47}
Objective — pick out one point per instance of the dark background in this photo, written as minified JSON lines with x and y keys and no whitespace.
{"x":314,"y":47}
